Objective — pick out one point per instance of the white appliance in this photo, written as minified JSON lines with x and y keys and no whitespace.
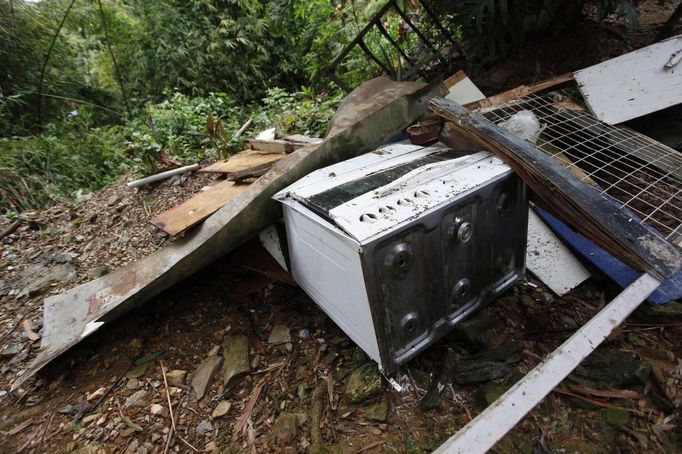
{"x":399,"y":244}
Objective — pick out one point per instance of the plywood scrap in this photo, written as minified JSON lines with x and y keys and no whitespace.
{"x":198,"y":208}
{"x":242,"y":161}
{"x":545,"y":252}
{"x":521,"y":91}
{"x":591,"y":212}
{"x":462,"y":89}
{"x":633,"y":84}
{"x":372,"y":114}
{"x":482,"y":432}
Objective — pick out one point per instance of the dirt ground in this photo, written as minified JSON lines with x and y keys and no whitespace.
{"x":111,"y":393}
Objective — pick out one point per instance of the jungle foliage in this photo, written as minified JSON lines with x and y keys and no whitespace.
{"x":127,"y":81}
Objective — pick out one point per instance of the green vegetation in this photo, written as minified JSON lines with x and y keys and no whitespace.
{"x":127,"y":85}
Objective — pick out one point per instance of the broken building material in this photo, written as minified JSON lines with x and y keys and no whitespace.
{"x":622,"y":274}
{"x":252,"y":172}
{"x":481,"y":434}
{"x":633,"y":84}
{"x":300,"y":138}
{"x":462,"y":89}
{"x":274,"y":145}
{"x":162,"y":176}
{"x":190,"y":213}
{"x":242,"y":161}
{"x":373,"y":113}
{"x":521,"y":92}
{"x":589,"y":211}
{"x":545,"y":252}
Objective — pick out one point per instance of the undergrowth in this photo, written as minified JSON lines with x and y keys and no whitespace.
{"x":71,"y":157}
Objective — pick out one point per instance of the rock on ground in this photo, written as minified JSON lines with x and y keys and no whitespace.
{"x":203,"y":376}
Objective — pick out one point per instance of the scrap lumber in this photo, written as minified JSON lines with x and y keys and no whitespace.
{"x":462,"y":89}
{"x":252,"y":172}
{"x":242,"y":161}
{"x":520,"y":92}
{"x":193,"y":211}
{"x":274,"y":146}
{"x":300,"y":138}
{"x":633,"y":84}
{"x":584,"y":207}
{"x":482,"y":432}
{"x":544,"y":251}
{"x":369,"y":116}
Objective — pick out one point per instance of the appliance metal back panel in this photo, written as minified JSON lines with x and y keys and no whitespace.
{"x":427,"y":275}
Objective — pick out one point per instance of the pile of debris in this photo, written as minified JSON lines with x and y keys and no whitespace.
{"x":274,"y":372}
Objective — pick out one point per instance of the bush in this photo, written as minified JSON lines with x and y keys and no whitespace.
{"x":39,"y":170}
{"x":70,"y":156}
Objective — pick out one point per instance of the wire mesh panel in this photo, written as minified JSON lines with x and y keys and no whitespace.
{"x":641,"y":174}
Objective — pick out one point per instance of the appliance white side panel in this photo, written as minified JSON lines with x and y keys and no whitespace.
{"x":326,"y":264}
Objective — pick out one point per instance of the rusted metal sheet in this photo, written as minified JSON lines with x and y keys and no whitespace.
{"x":374,"y":113}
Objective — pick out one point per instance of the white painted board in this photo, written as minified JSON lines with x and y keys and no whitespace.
{"x":634,"y":84}
{"x":269,"y":238}
{"x":464,"y":92}
{"x":549,"y":260}
{"x":482,"y":432}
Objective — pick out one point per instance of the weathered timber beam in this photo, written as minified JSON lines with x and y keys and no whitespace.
{"x":588,"y":210}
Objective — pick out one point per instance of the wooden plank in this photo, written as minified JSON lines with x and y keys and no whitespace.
{"x":482,"y":432}
{"x":198,"y":208}
{"x":300,"y":138}
{"x":634,"y":84}
{"x":252,"y":172}
{"x":242,"y":161}
{"x":584,"y":207}
{"x":274,"y":146}
{"x":520,"y":92}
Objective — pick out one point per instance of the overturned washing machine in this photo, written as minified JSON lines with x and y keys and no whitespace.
{"x":400,"y":244}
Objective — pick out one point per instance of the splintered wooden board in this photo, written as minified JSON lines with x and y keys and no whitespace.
{"x":633,"y":84}
{"x":274,"y":146}
{"x":242,"y":161}
{"x":197,"y":208}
